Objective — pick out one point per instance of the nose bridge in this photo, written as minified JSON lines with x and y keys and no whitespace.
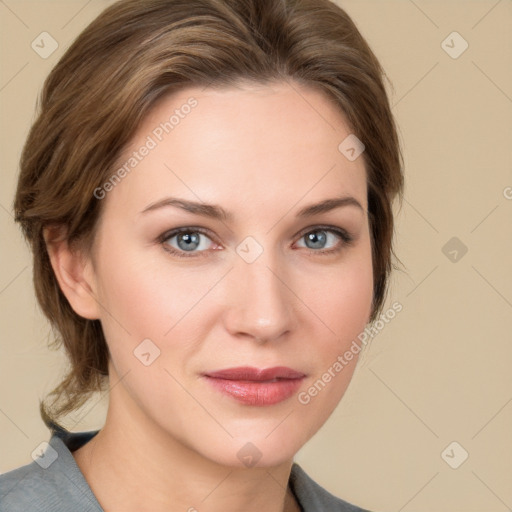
{"x":259,"y":300}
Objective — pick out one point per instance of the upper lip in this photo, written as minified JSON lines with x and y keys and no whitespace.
{"x":256,"y":374}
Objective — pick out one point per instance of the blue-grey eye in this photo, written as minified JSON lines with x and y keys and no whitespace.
{"x":188,"y":241}
{"x":318,"y":238}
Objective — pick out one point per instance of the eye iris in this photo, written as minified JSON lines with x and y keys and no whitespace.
{"x":191,"y":241}
{"x":317,"y":241}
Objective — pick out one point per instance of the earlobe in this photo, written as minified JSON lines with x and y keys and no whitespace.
{"x":74,"y":273}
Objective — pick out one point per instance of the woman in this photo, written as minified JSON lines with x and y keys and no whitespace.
{"x":208,"y":193}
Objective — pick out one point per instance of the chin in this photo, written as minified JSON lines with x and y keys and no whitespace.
{"x":266,"y":448}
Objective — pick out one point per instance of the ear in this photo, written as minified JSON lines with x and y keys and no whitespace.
{"x":74,"y":272}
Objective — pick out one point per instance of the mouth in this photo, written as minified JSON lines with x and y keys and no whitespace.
{"x":256,"y":387}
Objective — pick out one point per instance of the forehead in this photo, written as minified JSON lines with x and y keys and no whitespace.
{"x":250,"y":146}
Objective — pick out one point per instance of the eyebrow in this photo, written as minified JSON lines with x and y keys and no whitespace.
{"x":217,"y":212}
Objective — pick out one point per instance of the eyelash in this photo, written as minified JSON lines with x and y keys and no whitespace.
{"x":346,"y":240}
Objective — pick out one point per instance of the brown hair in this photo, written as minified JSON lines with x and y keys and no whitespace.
{"x":131,"y":55}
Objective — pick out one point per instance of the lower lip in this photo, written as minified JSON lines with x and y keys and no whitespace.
{"x":257,"y":393}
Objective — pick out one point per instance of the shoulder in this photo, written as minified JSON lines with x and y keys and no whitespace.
{"x":314,"y":498}
{"x":27,"y":488}
{"x":51,"y":483}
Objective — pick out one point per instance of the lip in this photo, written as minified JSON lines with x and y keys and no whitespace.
{"x":257,"y":387}
{"x":255,"y":374}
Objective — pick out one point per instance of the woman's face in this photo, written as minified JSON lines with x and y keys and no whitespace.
{"x":259,"y":285}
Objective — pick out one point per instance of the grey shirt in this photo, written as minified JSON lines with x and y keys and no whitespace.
{"x":53,"y":482}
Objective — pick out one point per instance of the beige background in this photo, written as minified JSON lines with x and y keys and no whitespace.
{"x":440,"y":371}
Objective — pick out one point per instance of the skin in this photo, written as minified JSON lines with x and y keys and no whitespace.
{"x":170,"y":440}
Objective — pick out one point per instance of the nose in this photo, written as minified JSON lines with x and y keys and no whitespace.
{"x":259,"y":301}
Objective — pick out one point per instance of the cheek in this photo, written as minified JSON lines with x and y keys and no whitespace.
{"x":144,"y":294}
{"x":147,"y":304}
{"x":147,"y":296}
{"x":341,"y":296}
{"x":138,"y":302}
{"x":141,"y":289}
{"x":341,"y":301}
